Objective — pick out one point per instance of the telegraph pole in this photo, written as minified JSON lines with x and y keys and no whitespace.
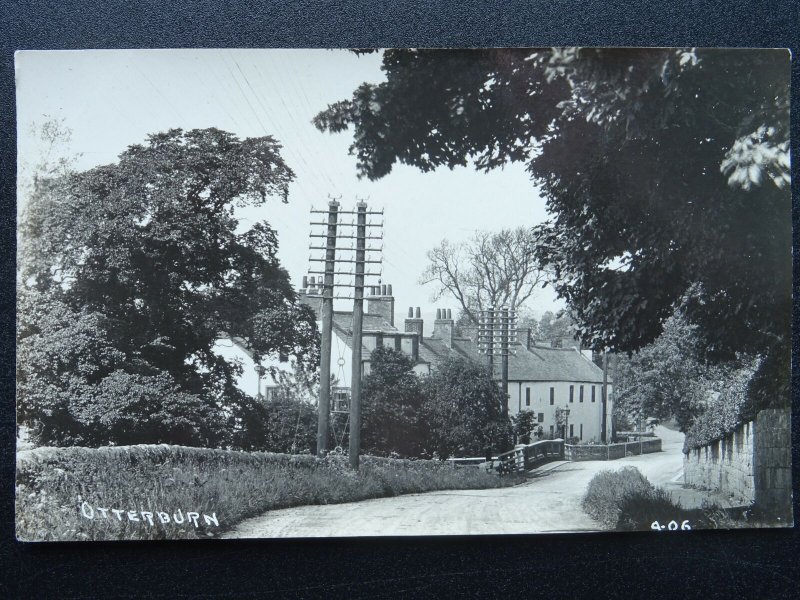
{"x":504,"y":348}
{"x":603,"y":427}
{"x":490,"y":338}
{"x":358,"y":319}
{"x":496,"y":335}
{"x":324,"y":408}
{"x":333,"y":270}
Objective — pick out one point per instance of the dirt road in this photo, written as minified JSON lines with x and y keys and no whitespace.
{"x":550,"y":502}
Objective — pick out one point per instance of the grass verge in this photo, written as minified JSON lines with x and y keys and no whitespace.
{"x":127,"y":492}
{"x":626,"y":500}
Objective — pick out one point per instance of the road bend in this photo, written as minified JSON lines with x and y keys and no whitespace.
{"x":548,"y":502}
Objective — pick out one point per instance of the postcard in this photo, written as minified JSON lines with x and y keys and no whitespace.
{"x":402,"y":292}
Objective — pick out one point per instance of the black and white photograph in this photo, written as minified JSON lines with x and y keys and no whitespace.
{"x":308,"y":293}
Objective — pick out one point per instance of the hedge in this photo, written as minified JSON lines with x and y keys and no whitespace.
{"x":126,"y":492}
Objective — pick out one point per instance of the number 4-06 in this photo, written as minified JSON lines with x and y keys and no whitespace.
{"x":671,"y":526}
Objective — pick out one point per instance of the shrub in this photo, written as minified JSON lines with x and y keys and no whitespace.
{"x":606,"y":491}
{"x":53,"y":484}
{"x":638,"y":510}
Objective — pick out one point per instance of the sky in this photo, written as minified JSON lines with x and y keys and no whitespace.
{"x":110,"y":99}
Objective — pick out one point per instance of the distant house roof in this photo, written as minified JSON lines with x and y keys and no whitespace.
{"x":552,"y":364}
{"x":537,"y":364}
{"x":344,"y":321}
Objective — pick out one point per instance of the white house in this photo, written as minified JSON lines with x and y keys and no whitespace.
{"x":541,"y":379}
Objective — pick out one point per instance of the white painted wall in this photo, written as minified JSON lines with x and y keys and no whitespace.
{"x":586,"y":413}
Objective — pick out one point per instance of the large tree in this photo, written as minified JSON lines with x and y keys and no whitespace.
{"x":669,"y":379}
{"x":666,"y":172}
{"x":128,"y":274}
{"x":491,"y":269}
{"x":463,"y":409}
{"x":392,"y":402}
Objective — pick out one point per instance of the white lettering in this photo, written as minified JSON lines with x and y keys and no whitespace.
{"x":145,"y":516}
{"x":88,"y":514}
{"x":213,"y":517}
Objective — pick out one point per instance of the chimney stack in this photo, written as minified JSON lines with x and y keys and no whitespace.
{"x":310,"y":295}
{"x":443,"y":326}
{"x":380,"y":302}
{"x":414,"y":322}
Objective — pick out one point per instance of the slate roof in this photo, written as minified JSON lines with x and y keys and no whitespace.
{"x":537,"y":364}
{"x":552,"y":364}
{"x":343,"y":320}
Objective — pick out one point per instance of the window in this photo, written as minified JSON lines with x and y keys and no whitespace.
{"x":341,"y":399}
{"x":580,"y":394}
{"x":572,"y":393}
{"x":551,"y":431}
{"x":552,"y":396}
{"x":571,"y":430}
{"x":593,"y":390}
{"x":527,"y":396}
{"x":581,"y":430}
{"x":541,"y":418}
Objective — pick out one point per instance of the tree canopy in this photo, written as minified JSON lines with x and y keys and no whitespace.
{"x":666,"y":172}
{"x":129,"y":272}
{"x":464,"y":409}
{"x":392,"y":401}
{"x":490,"y":269}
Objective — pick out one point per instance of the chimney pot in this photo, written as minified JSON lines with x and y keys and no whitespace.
{"x":417,"y":313}
{"x":410,"y":312}
{"x":389,"y":289}
{"x":305,"y":281}
{"x":449,"y":313}
{"x":438,"y":314}
{"x":383,"y":290}
{"x":313,"y":281}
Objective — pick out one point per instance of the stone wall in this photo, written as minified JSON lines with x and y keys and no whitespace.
{"x":611,"y":451}
{"x":773,"y":462}
{"x":753,"y":464}
{"x":724,"y":465}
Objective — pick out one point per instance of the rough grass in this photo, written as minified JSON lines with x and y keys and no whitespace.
{"x":53,"y":484}
{"x":626,"y":500}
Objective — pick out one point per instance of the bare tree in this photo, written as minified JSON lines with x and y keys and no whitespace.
{"x":489,"y":269}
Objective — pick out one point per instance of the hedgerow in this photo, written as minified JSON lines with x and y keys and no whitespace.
{"x":58,"y":487}
{"x":724,"y":411}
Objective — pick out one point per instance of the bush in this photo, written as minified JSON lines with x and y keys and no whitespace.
{"x":53,"y":483}
{"x":638,"y":510}
{"x":626,"y":500}
{"x":607,"y":490}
